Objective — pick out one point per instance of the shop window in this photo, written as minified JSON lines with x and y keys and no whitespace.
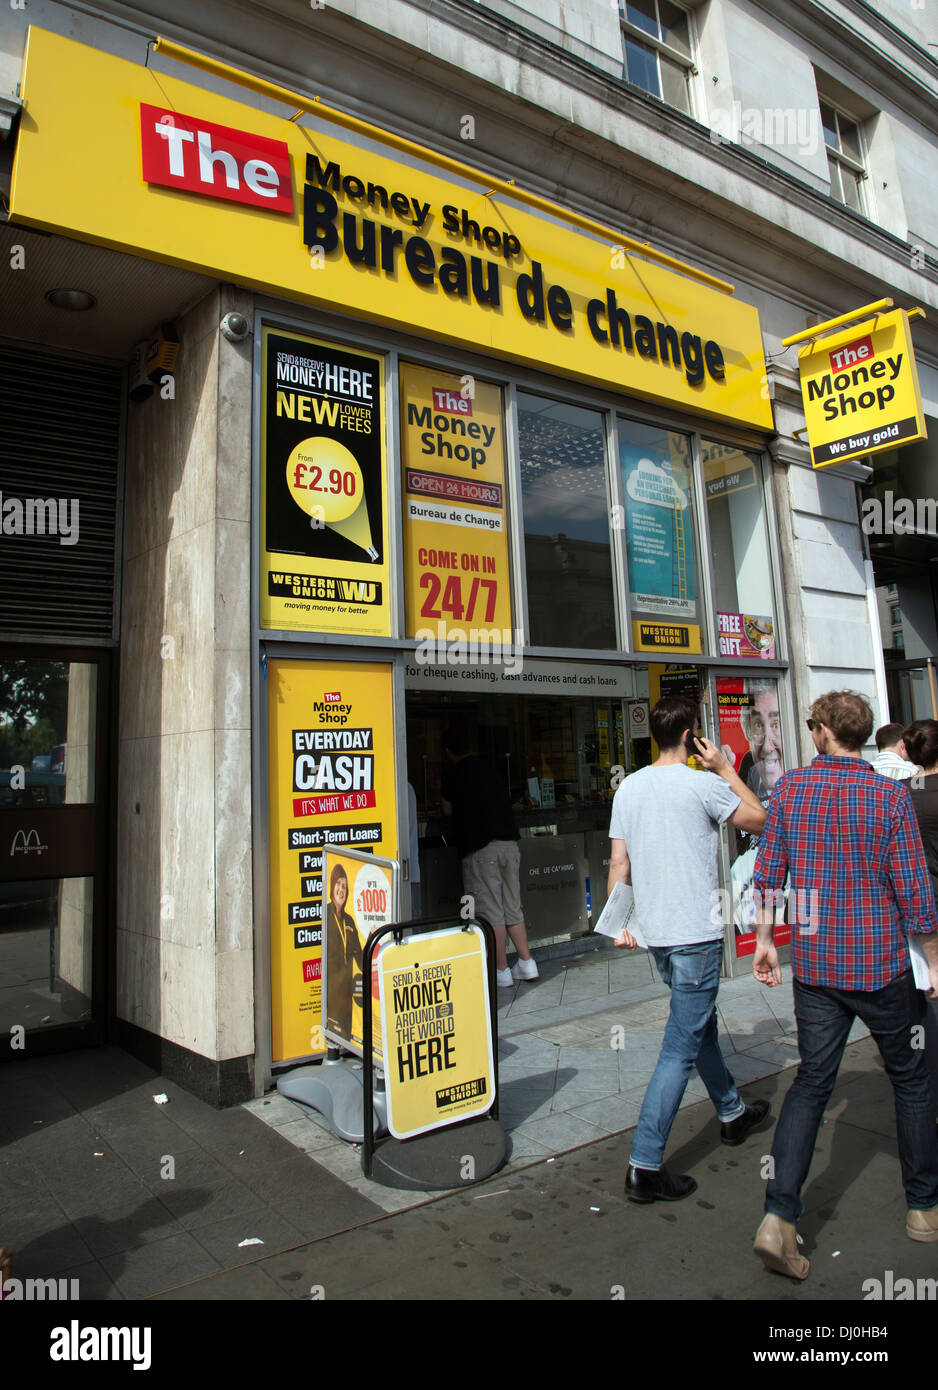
{"x":566,"y":525}
{"x":742,"y":572}
{"x":657,"y":41}
{"x":661,"y":540}
{"x":846,"y":160}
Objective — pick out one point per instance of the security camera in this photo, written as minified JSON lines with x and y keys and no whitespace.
{"x":235,"y":327}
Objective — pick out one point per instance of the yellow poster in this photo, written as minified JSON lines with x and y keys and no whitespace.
{"x":331,"y":783}
{"x":360,"y":894}
{"x":456,"y":575}
{"x":860,"y":390}
{"x":323,"y":513}
{"x":436,"y":1030}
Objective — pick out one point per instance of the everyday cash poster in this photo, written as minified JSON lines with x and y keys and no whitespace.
{"x":331,"y":786}
{"x":323,"y":528}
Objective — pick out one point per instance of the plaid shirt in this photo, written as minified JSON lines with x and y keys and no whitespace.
{"x":848,"y":837}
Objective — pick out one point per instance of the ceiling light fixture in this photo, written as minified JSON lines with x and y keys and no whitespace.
{"x":75,"y":300}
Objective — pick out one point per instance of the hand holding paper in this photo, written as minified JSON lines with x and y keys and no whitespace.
{"x":617,"y":919}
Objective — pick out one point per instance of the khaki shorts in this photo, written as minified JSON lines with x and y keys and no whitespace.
{"x":492,"y":875}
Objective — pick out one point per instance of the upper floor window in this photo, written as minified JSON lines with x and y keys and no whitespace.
{"x":658,"y":49}
{"x":845,"y":157}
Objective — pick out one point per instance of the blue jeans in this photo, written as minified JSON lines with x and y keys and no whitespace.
{"x":824,"y":1017}
{"x":692,"y":973}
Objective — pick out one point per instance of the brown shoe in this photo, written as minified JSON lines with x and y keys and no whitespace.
{"x":777,"y":1246}
{"x":922,"y":1225}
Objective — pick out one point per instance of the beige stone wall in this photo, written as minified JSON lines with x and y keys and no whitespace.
{"x":76,"y":895}
{"x":184,"y":917}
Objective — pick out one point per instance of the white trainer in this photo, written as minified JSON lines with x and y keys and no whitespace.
{"x":504,"y":979}
{"x":525,"y":969}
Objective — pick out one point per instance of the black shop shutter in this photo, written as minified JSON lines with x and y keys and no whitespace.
{"x":60,"y":438}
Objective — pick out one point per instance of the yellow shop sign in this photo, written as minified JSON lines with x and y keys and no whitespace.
{"x":185,"y":176}
{"x":860,"y":390}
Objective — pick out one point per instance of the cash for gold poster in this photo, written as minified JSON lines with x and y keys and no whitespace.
{"x":436,"y":1028}
{"x":331,"y":782}
{"x":323,"y":514}
{"x":360,"y":896}
{"x":456,"y":575}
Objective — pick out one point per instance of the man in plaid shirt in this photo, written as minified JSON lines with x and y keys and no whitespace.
{"x":848,"y":836}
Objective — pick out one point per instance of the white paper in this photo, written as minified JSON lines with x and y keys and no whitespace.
{"x":919,"y":964}
{"x":619,"y":913}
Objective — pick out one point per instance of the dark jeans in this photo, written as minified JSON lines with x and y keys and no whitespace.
{"x":892,"y":1014}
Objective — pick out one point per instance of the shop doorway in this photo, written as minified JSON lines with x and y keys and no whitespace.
{"x":561,"y":757}
{"x":53,"y":841}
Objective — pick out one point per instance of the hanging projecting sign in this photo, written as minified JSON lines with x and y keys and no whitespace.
{"x":323,"y":529}
{"x":456,"y":574}
{"x":331,"y":785}
{"x":436,"y":1030}
{"x":195,"y":179}
{"x":860,"y":390}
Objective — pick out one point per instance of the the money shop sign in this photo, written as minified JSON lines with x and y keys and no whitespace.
{"x":860,"y":390}
{"x":288,"y":208}
{"x":456,"y":573}
{"x":331,"y":785}
{"x":324,"y":562}
{"x":436,"y":1027}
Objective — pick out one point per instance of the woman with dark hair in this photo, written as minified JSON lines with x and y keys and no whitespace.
{"x":344,"y":962}
{"x":921,"y":744}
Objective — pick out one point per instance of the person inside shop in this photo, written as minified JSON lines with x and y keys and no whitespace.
{"x":486,"y":835}
{"x":344,"y":962}
{"x":892,"y":756}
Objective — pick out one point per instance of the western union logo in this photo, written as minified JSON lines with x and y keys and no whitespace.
{"x":664,"y":635}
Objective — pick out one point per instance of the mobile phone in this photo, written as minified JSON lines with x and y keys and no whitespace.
{"x":690,"y":746}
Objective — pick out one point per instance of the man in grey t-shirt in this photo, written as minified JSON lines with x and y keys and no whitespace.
{"x":665,"y":833}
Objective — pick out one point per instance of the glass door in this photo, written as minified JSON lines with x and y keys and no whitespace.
{"x":53,"y":835}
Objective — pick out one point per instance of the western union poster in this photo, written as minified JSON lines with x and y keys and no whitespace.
{"x":331,"y":783}
{"x":456,"y":574}
{"x":436,"y":1030}
{"x":324,"y":564}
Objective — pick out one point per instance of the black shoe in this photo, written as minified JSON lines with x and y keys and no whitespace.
{"x":735,"y":1132}
{"x":648,"y":1185}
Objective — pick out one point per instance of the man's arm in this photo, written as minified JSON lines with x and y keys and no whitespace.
{"x":620,"y":871}
{"x":771,"y":868}
{"x":750,"y":813}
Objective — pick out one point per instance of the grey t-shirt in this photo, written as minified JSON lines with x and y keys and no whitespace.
{"x":669,"y":818}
